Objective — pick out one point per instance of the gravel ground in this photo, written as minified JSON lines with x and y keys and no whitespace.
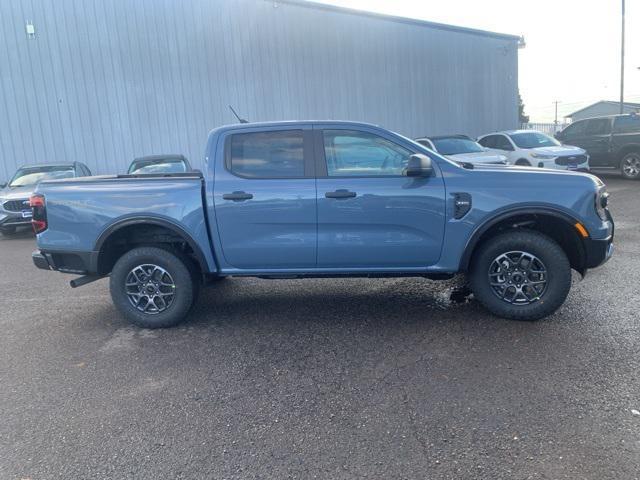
{"x":328,"y":379}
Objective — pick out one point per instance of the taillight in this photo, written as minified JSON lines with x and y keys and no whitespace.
{"x":39,"y":213}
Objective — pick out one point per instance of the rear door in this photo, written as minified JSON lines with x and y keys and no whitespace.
{"x":371,"y":216}
{"x":597,"y":141}
{"x":265,"y":198}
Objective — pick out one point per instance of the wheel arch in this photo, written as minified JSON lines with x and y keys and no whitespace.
{"x":626,"y":149}
{"x":557,"y":224}
{"x":138,"y":223}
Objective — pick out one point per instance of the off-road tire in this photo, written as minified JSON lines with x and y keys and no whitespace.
{"x":182,"y":272}
{"x":558,"y":274}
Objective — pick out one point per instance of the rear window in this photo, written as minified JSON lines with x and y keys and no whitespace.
{"x":158,"y":166}
{"x":278,"y":154}
{"x":630,"y":124}
{"x":456,"y":145}
{"x":34,"y":175}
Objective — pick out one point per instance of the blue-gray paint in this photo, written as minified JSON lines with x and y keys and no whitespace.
{"x":105,"y":81}
{"x":290,"y":227}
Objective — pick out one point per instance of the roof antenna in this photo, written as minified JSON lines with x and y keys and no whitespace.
{"x":241,"y":120}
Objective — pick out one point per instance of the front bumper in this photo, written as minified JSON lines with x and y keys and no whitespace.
{"x":598,"y":252}
{"x":11,"y":219}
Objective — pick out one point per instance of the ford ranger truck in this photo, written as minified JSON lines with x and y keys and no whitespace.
{"x":324,"y":199}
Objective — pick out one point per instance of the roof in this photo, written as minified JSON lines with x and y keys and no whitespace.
{"x":406,"y":20}
{"x":290,"y":123}
{"x":440,"y":137}
{"x":49,"y":165}
{"x":610,"y":102}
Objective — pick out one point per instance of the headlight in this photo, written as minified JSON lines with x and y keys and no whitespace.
{"x":602,"y":202}
{"x":542,"y":156}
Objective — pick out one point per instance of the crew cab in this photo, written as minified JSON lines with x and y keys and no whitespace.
{"x":324,"y":199}
{"x":613,"y":142}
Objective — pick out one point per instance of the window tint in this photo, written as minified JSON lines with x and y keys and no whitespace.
{"x":361,"y":154}
{"x":456,"y":145}
{"x":277,"y":154}
{"x":630,"y":124}
{"x":574,"y":130}
{"x":489,"y":142}
{"x":598,"y":126}
{"x":501,"y":143}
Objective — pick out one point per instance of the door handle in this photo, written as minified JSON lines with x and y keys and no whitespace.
{"x":340,"y":194}
{"x":237,"y":196}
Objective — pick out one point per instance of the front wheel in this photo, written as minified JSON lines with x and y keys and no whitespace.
{"x":8,"y":231}
{"x":153,"y":287}
{"x":520,"y":275}
{"x":630,"y":166}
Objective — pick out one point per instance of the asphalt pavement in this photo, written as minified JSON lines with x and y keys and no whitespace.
{"x":332,"y":379}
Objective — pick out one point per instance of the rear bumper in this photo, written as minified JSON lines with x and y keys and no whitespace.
{"x":81,"y":263}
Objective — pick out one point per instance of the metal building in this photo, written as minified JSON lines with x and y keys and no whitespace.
{"x":603,"y":107}
{"x":104,"y":81}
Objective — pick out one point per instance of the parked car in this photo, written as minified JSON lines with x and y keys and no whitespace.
{"x":461,"y":148}
{"x":155,"y":164}
{"x":315,"y":199}
{"x":14,"y":195}
{"x":532,"y":148}
{"x":611,"y":142}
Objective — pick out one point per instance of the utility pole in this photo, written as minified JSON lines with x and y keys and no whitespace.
{"x":555,"y":122}
{"x":622,"y":63}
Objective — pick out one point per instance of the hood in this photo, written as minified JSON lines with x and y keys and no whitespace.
{"x":17,"y":193}
{"x":478,"y":157}
{"x":560,"y":150}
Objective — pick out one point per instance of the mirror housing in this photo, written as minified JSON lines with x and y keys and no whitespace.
{"x":419,"y":165}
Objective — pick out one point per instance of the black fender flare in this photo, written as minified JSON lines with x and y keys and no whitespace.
{"x":149,"y":220}
{"x":472,"y":243}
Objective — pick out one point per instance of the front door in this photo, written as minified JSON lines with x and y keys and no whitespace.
{"x":265,"y":199}
{"x":371,"y":216}
{"x":594,"y":135}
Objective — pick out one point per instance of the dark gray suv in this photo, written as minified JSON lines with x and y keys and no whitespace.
{"x":14,"y":195}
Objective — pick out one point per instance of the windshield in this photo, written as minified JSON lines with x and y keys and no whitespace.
{"x":158,"y":166}
{"x":454,"y":146}
{"x":32,"y":175}
{"x":533,"y":140}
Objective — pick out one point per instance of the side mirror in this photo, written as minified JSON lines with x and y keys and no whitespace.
{"x":419,"y":165}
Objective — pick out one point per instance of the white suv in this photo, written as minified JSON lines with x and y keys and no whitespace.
{"x":532,"y":148}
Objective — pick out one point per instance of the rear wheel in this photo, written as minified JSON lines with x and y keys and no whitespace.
{"x":153,"y":287}
{"x":521,"y":275}
{"x":630,"y":166}
{"x":523,"y":163}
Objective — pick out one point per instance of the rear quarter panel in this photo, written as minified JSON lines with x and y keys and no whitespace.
{"x":79,"y":212}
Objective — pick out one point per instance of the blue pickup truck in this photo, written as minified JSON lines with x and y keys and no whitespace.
{"x":324,"y":199}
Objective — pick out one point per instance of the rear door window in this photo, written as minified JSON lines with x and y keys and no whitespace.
{"x":629,"y":124}
{"x":502,"y":143}
{"x":275,"y":154}
{"x":488,"y":142}
{"x":598,"y":126}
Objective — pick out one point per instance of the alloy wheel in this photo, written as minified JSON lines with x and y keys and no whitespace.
{"x":150,"y":288}
{"x":518,"y":278}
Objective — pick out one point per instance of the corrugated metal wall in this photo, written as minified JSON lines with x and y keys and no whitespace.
{"x":104,"y":81}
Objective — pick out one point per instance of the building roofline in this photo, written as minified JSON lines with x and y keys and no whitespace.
{"x":629,"y":104}
{"x":393,"y":18}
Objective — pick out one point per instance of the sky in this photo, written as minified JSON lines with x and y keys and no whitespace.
{"x":572,"y":51}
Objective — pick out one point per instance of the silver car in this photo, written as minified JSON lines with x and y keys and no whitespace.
{"x":14,"y":195}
